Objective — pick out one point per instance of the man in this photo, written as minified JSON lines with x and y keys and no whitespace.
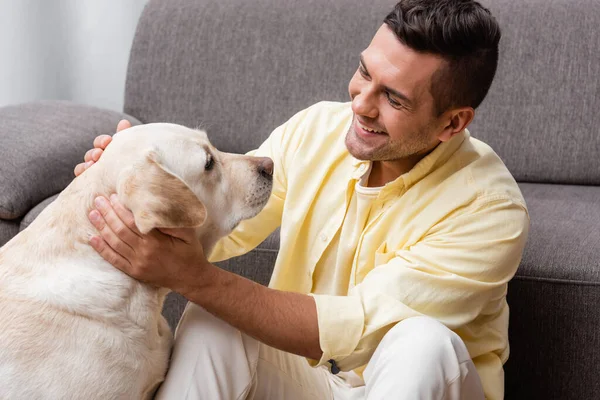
{"x":399,"y":233}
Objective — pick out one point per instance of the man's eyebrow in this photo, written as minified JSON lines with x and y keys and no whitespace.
{"x":393,"y":92}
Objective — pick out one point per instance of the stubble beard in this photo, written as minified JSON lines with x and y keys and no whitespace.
{"x":391,"y":151}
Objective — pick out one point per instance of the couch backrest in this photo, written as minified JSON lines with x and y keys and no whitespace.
{"x":542,"y":114}
{"x":240,"y":68}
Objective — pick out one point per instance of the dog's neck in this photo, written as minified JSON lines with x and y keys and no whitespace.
{"x":69,"y":214}
{"x":59,"y":236}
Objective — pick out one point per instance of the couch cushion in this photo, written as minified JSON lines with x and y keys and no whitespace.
{"x":8,"y":229}
{"x":541,"y":115}
{"x":40,"y":144}
{"x":35,"y":211}
{"x":564,"y":237}
{"x":258,"y":264}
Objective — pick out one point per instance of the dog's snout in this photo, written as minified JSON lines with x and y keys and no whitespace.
{"x":265,"y":167}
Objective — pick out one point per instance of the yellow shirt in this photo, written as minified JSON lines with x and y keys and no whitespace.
{"x":442,"y":240}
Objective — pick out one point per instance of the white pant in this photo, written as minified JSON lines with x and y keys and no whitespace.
{"x":419,"y":358}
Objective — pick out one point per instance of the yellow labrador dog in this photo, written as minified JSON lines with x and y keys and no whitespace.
{"x":74,"y":327}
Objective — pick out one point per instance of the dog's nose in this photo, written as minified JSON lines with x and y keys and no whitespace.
{"x":265,"y":167}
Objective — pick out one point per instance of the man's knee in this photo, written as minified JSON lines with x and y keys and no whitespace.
{"x":199,"y":325}
{"x":421,"y":358}
{"x":424,"y":335}
{"x":209,"y":357}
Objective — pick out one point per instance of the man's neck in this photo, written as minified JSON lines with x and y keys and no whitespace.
{"x":383,"y":172}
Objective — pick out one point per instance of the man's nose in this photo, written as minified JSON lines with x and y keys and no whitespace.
{"x":265,"y":167}
{"x":364,"y":104}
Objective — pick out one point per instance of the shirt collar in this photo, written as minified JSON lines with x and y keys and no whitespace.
{"x":428,"y":164}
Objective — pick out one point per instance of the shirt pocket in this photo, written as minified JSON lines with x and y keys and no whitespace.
{"x":370,"y":260}
{"x":383,"y":255}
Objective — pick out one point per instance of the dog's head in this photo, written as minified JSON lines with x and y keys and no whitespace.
{"x":171,"y":176}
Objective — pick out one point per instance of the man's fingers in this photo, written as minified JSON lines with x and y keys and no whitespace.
{"x":124,"y":214}
{"x":100,"y":142}
{"x":109,"y":237}
{"x":92,"y":155}
{"x":109,"y":254}
{"x":114,"y":231}
{"x":123,"y":124}
{"x":96,"y":154}
{"x":79,"y":168}
{"x":88,"y":155}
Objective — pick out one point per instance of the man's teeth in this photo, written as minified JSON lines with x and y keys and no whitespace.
{"x":369,"y":130}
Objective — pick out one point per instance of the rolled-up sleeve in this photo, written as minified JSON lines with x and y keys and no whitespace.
{"x":461,"y":266}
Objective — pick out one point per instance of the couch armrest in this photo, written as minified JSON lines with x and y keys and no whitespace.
{"x":40,"y":144}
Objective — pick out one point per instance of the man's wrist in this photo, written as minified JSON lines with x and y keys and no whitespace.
{"x":199,"y":281}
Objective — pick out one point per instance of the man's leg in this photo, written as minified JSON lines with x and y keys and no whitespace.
{"x":420,"y":358}
{"x":212,"y":360}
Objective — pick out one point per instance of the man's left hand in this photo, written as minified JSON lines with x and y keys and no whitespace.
{"x":169,"y":258}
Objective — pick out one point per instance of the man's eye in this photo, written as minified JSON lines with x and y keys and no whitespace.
{"x":362,"y":71}
{"x":393,"y":102}
{"x":210,"y":163}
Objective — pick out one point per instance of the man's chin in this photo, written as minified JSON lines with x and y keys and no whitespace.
{"x":355,"y":148}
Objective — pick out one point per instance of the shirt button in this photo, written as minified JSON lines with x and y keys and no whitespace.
{"x":323,"y":237}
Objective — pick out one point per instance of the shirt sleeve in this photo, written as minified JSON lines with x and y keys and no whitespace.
{"x":281,"y":147}
{"x":459,"y":267}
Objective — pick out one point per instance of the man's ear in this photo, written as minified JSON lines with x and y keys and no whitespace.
{"x":456,"y":121}
{"x":158,"y":198}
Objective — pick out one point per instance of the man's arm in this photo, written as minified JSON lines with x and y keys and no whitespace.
{"x":284,"y":320}
{"x":174,"y":259}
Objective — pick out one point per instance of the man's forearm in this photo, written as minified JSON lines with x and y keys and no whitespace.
{"x":284,"y":320}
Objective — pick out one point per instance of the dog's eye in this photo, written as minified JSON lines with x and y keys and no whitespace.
{"x":210,"y":163}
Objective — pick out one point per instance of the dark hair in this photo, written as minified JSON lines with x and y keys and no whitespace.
{"x":462,"y":32}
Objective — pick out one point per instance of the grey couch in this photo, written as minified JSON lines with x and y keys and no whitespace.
{"x":240,"y":68}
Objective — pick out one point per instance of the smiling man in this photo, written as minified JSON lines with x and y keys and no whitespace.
{"x":399,"y":233}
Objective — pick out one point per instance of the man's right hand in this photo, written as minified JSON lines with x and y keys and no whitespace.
{"x":100,"y":144}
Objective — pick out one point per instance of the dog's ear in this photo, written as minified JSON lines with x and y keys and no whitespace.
{"x":158,"y":198}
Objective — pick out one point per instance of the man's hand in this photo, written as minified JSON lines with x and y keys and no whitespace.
{"x":169,"y":258}
{"x":100,"y":143}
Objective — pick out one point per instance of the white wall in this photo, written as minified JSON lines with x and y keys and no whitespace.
{"x":66,"y":49}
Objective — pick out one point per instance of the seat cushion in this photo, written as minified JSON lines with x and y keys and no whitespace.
{"x":554,"y":314}
{"x":564,"y":237}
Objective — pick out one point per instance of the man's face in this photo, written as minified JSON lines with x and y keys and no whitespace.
{"x":390,"y":94}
